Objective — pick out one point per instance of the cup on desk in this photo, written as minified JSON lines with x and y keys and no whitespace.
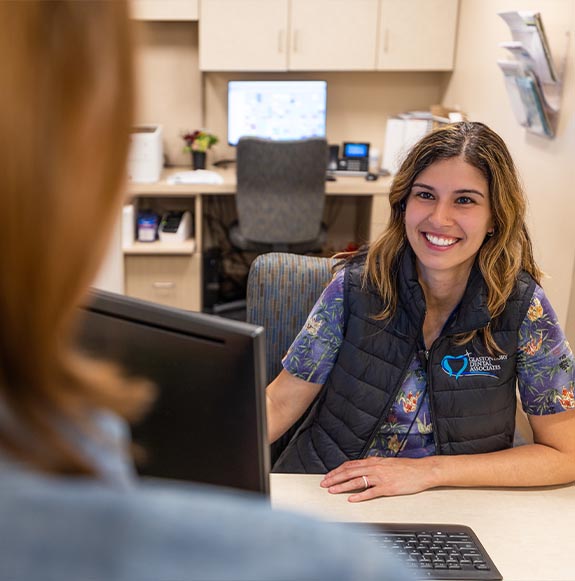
{"x":333,"y":157}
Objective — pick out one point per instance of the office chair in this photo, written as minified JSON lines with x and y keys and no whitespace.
{"x":280,"y":195}
{"x":282,"y":289}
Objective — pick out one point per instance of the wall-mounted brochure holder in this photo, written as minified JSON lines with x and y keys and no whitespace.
{"x":532,"y":79}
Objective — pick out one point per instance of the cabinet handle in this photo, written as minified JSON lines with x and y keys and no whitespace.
{"x":295,"y":40}
{"x":386,"y":40}
{"x":164,"y":285}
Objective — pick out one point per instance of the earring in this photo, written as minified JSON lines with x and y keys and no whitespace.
{"x":490,"y":233}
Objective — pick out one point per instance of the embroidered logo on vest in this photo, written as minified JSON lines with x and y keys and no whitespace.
{"x":466,"y":365}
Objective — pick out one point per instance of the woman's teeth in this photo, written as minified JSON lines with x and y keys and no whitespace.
{"x":440,"y":241}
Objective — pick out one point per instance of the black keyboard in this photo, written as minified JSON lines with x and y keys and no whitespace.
{"x":437,"y":551}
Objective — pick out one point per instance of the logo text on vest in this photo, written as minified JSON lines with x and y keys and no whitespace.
{"x":467,"y":365}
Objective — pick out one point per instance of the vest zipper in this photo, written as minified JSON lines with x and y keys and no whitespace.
{"x":390,"y":402}
{"x":428,"y":354}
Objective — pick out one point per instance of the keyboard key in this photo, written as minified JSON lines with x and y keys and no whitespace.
{"x":482,"y":567}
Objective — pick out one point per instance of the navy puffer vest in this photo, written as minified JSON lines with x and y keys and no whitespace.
{"x":472,"y":394}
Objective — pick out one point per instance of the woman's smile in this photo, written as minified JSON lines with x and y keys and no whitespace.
{"x":439,"y":241}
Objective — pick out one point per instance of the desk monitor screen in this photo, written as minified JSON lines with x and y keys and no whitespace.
{"x":208,"y":423}
{"x":280,"y":110}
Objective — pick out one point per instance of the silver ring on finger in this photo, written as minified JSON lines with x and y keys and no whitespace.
{"x":365,"y":482}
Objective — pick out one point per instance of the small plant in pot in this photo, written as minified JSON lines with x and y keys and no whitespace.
{"x":197,"y":143}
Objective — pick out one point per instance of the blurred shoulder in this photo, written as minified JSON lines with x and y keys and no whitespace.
{"x":182,"y":531}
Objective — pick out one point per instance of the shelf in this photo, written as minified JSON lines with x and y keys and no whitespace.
{"x":165,"y":10}
{"x":164,"y":188}
{"x":186,"y":248}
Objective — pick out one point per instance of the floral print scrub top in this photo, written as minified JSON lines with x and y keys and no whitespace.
{"x":545,"y":371}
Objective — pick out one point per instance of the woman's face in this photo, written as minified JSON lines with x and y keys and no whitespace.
{"x":447,"y":216}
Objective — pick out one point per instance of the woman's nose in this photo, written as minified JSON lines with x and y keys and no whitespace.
{"x":441,"y":214}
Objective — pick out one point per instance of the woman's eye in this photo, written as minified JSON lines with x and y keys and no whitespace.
{"x":464,"y":200}
{"x":424,"y":195}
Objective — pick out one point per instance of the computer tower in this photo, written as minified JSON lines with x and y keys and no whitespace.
{"x":212,"y":275}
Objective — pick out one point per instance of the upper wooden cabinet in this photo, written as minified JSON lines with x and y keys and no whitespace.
{"x":281,"y":35}
{"x":417,"y":35}
{"x":333,"y":35}
{"x":243,"y":35}
{"x":323,"y":35}
{"x":164,"y":9}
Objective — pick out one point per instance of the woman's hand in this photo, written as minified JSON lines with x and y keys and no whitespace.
{"x":383,"y":477}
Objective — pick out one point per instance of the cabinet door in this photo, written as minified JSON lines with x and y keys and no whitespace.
{"x":164,"y":9}
{"x":174,"y":281}
{"x":333,"y":35}
{"x":417,"y":34}
{"x":243,"y":35}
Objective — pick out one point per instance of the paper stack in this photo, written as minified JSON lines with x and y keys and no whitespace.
{"x":402,"y":132}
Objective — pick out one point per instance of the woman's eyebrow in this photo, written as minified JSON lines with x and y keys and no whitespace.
{"x":422,"y":185}
{"x":469,"y":191}
{"x":461,"y":191}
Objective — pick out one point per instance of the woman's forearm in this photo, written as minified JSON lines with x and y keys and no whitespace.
{"x":550,"y":460}
{"x":277,"y":423}
{"x":529,"y":465}
{"x":287,"y":398}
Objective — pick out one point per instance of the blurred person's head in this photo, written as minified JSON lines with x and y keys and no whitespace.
{"x":65,"y":118}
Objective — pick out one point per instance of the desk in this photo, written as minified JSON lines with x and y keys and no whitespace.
{"x":172,"y":275}
{"x":540,"y":520}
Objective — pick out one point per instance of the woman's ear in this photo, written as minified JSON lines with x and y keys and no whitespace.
{"x":491,"y":229}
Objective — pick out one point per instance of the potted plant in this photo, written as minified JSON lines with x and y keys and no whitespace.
{"x":197,"y":143}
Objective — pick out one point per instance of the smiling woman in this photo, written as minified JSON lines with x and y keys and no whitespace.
{"x":419,"y":341}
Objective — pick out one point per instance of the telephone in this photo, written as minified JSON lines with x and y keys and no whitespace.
{"x":355,"y":158}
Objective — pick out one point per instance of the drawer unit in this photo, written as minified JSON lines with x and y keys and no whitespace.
{"x":169,"y":280}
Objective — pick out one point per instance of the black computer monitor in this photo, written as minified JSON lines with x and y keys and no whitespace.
{"x":208,"y":423}
{"x":279,"y":110}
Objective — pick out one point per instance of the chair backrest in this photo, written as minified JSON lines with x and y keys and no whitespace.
{"x":282,"y":289}
{"x":280,"y":189}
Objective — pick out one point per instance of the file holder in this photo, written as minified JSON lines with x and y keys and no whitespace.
{"x":532,"y":79}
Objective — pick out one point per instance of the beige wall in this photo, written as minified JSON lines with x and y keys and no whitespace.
{"x":547,"y":166}
{"x":169,"y":81}
{"x":173,"y":91}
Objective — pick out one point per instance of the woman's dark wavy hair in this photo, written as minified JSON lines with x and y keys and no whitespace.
{"x":501,"y":256}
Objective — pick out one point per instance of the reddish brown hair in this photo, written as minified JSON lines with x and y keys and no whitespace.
{"x":65,"y":118}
